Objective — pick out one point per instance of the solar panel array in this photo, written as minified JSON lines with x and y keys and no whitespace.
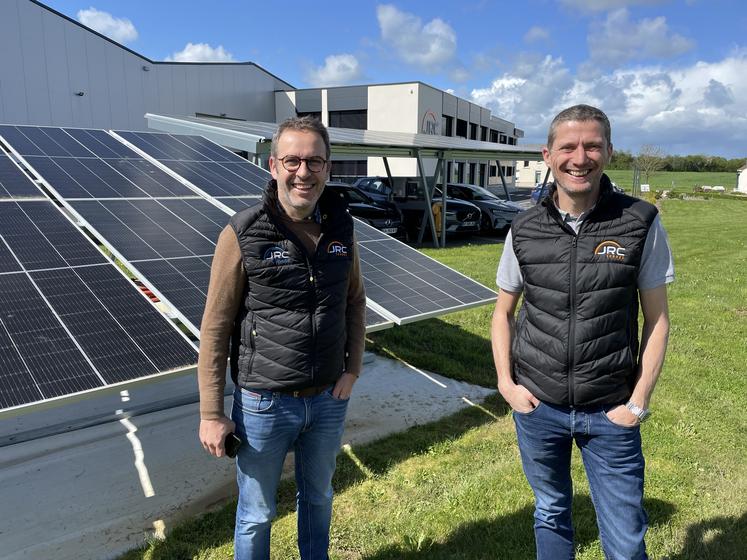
{"x":69,"y":321}
{"x":152,"y":199}
{"x":401,"y":283}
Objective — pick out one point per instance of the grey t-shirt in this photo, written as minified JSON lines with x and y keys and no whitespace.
{"x":657,"y":266}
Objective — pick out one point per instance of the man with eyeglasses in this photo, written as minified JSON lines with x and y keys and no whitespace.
{"x":286,"y":297}
{"x":571,"y":366}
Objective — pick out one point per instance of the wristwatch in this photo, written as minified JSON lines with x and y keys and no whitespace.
{"x":642,"y":413}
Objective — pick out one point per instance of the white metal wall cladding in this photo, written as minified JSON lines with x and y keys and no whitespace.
{"x":45,"y":60}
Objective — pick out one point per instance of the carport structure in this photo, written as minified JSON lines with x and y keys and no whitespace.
{"x":255,"y":138}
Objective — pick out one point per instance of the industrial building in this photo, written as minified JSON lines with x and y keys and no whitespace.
{"x":66,"y":74}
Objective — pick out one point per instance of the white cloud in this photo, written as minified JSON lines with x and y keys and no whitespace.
{"x":338,"y":69}
{"x":606,"y":5}
{"x":535,"y":34}
{"x":426,"y":45}
{"x":201,"y":52}
{"x":620,"y":40}
{"x":119,"y":29}
{"x":701,"y":108}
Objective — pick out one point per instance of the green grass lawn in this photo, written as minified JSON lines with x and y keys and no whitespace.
{"x":678,"y":181}
{"x":454,"y":489}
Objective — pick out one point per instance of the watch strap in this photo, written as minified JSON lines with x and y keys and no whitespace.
{"x":641,"y":413}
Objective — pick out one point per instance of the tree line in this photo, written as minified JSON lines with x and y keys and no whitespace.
{"x":627,"y":160}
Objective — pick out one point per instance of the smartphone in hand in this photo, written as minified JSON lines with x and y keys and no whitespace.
{"x":231,"y":444}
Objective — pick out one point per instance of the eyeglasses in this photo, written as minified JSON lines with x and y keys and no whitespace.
{"x":314,"y":164}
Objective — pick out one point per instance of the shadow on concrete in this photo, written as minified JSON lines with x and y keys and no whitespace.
{"x":509,"y":537}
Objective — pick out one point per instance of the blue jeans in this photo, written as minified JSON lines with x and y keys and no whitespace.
{"x":270,"y":424}
{"x":614,"y":465}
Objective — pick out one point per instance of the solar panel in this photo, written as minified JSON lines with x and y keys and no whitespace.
{"x":13,"y":183}
{"x":70,"y":322}
{"x":407,"y":285}
{"x":213,"y":169}
{"x":80,"y":163}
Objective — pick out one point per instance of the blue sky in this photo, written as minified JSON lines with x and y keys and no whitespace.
{"x":668,"y":72}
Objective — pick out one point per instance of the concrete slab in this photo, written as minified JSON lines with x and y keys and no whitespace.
{"x":98,"y":491}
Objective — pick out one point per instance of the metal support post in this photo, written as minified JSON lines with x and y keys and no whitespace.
{"x":428,"y":210}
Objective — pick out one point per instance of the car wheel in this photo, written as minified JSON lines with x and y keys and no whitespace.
{"x":486,"y":224}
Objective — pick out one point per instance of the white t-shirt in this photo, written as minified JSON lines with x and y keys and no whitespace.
{"x":657,"y":266}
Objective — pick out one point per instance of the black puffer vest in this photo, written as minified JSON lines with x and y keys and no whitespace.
{"x":576,"y":339}
{"x":290,"y":332}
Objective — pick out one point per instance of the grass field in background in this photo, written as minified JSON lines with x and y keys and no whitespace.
{"x":454,"y":489}
{"x":678,"y":181}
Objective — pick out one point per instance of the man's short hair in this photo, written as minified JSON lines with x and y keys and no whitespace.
{"x":302,"y":124}
{"x":580,"y":113}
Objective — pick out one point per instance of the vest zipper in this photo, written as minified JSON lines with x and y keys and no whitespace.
{"x":572,"y":326}
{"x":312,"y":281}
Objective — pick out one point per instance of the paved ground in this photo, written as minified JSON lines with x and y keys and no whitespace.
{"x":95,"y":492}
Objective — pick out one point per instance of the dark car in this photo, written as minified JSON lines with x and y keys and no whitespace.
{"x":461,"y":216}
{"x":377,"y":188}
{"x":497,"y":214}
{"x":383,"y":216}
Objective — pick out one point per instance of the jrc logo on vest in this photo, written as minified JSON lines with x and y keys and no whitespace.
{"x":611,"y":250}
{"x":277,"y":255}
{"x":337,"y":249}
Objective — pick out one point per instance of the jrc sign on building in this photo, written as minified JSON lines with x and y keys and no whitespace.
{"x":429,"y":124}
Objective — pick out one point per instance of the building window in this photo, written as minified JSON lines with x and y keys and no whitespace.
{"x":461,"y":128}
{"x":507,"y":171}
{"x":503,"y":139}
{"x":493,"y":136}
{"x":460,"y":172}
{"x":526,"y":163}
{"x":472,"y":131}
{"x":484,"y":133}
{"x":316,"y":114}
{"x":494,"y":171}
{"x":472,"y":170}
{"x":482,"y":174}
{"x":447,"y":125}
{"x":357,"y":119}
{"x":348,"y":170}
{"x":512,"y":141}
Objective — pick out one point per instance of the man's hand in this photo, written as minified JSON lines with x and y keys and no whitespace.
{"x":344,"y":386}
{"x":518,"y":397}
{"x":213,"y":433}
{"x":622,"y":416}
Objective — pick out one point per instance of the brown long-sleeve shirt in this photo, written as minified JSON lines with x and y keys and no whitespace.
{"x":224,"y":298}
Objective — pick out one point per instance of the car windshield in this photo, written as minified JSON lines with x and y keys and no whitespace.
{"x":471,"y":193}
{"x":354,"y":195}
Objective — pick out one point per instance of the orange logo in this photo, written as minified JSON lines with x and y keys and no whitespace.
{"x":610,"y":249}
